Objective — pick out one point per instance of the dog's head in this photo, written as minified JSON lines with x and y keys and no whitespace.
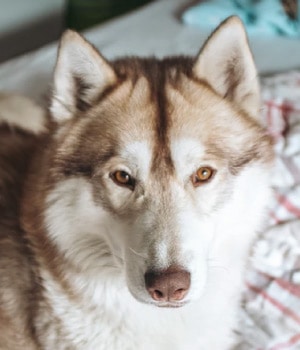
{"x":159,"y":167}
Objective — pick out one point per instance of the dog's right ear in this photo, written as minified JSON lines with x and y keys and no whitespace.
{"x":81,"y":74}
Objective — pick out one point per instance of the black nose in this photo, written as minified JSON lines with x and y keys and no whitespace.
{"x":171,"y":284}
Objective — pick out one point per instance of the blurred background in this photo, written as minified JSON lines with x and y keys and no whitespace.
{"x":28,"y":24}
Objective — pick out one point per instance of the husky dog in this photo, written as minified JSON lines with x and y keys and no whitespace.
{"x":140,"y":202}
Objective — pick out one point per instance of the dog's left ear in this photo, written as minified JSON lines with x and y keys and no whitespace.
{"x":81,"y":74}
{"x":225,"y":62}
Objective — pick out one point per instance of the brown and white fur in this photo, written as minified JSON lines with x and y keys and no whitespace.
{"x":76,"y":250}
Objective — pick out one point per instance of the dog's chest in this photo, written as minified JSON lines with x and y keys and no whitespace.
{"x":116,"y":322}
{"x":67,"y":321}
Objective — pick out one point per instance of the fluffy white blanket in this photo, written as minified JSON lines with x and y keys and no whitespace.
{"x":271,"y":312}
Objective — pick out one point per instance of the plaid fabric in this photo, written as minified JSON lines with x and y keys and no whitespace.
{"x":271,"y":313}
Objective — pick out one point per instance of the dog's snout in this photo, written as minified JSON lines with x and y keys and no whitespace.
{"x":171,"y":284}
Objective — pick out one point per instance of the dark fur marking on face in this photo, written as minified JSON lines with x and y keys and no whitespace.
{"x":259,"y":150}
{"x":82,"y":163}
{"x":158,"y":73}
{"x":77,"y":169}
{"x":162,"y":151}
{"x":155,"y":71}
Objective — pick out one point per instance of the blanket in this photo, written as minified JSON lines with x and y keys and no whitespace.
{"x":270,"y":318}
{"x":264,"y":17}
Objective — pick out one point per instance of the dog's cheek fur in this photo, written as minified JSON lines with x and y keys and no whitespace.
{"x":242,"y":216}
{"x":76,"y":224}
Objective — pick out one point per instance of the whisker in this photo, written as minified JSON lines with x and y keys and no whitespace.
{"x":216,"y":264}
{"x":219,"y":267}
{"x":138,"y":254}
{"x":117,"y":256}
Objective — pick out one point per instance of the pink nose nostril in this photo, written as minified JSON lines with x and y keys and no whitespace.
{"x":179,"y":294}
{"x":157,"y":295}
{"x":171,"y":284}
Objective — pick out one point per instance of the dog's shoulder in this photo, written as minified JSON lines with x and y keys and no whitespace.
{"x":22,"y":124}
{"x":17,"y":144}
{"x":16,"y":277}
{"x":17,"y":290}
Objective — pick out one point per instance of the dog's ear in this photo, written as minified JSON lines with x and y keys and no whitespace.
{"x":225,"y":62}
{"x":81,"y":74}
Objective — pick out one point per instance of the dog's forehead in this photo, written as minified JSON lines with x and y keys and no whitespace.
{"x":161,"y":119}
{"x":156,"y":102}
{"x":127,"y":112}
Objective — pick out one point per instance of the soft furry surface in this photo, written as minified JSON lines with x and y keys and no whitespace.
{"x":92,"y":239}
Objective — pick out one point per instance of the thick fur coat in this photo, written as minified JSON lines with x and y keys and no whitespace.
{"x":126,"y":222}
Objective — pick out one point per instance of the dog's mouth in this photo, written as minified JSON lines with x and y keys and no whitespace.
{"x":161,"y":304}
{"x":170,"y":304}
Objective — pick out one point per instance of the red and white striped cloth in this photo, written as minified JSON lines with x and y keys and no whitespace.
{"x":271,"y":313}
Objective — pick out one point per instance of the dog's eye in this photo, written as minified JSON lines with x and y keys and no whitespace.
{"x":122,"y":178}
{"x":202,"y":175}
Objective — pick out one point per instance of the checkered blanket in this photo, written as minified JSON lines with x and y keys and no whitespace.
{"x":271,"y":312}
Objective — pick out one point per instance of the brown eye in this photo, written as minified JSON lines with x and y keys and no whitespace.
{"x":122,"y":178}
{"x":202,"y":175}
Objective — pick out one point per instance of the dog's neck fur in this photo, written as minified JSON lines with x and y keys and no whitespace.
{"x":76,"y":292}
